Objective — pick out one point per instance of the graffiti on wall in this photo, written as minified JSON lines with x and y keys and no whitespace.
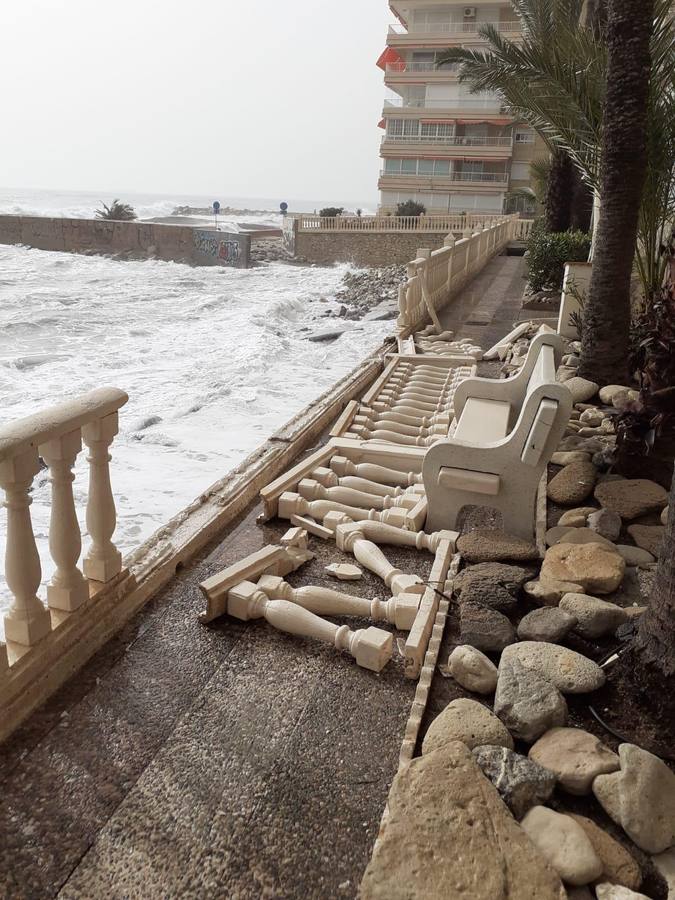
{"x":209,"y":244}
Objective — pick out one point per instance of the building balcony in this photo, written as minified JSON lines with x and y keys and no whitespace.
{"x":398,"y":181}
{"x":405,"y":142}
{"x":445,"y":34}
{"x":476,"y":104}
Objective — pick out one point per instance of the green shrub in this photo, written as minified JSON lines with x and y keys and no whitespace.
{"x":329,"y":212}
{"x":410,"y":208}
{"x":548,"y":252}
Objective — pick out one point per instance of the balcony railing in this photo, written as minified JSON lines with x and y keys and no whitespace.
{"x":468,"y":27}
{"x":400,"y":68}
{"x":491,"y":104}
{"x":452,"y":140}
{"x":474,"y":177}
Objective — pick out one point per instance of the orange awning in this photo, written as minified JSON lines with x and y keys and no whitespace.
{"x":382,"y":123}
{"x":388,"y":56}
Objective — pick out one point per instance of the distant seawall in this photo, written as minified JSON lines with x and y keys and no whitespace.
{"x":136,"y":240}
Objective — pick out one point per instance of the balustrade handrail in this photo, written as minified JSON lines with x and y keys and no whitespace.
{"x":487,"y":177}
{"x":388,"y":223}
{"x":19,"y":436}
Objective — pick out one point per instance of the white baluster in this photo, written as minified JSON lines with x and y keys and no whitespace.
{"x":343,"y":466}
{"x":27,"y":621}
{"x":370,"y":647}
{"x":399,"y":611}
{"x":353,"y":540}
{"x":292,"y":504}
{"x":312,"y":490}
{"x":67,"y":589}
{"x":103,"y":560}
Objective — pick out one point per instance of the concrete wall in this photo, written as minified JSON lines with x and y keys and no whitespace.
{"x":363,"y":248}
{"x":139,"y":240}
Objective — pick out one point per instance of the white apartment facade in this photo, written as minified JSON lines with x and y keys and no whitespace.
{"x":444,"y":147}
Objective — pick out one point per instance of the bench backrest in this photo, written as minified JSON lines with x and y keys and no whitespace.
{"x":544,"y":368}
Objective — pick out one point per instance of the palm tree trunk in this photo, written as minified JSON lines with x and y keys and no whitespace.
{"x":654,"y":645}
{"x":559,"y":192}
{"x":604,"y":352}
{"x":582,"y":203}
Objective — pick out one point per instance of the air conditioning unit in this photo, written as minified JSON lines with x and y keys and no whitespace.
{"x":469,"y":12}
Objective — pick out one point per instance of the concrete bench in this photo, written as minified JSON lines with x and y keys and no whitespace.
{"x":505,"y":435}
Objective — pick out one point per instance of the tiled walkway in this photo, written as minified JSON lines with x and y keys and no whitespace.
{"x":226,"y":762}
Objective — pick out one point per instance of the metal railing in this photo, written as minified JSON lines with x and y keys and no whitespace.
{"x":453,"y":140}
{"x":474,"y":177}
{"x":468,"y":27}
{"x":493,"y":104}
{"x":412,"y":66}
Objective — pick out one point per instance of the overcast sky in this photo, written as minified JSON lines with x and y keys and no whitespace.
{"x":256,"y":98}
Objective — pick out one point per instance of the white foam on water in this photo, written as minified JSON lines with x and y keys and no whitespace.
{"x":213,"y":359}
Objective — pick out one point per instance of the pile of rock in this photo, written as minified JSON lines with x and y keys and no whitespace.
{"x":364,"y":290}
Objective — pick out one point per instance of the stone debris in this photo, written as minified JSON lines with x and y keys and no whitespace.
{"x":606,"y":891}
{"x":581,"y":389}
{"x":631,"y":498}
{"x":606,"y":523}
{"x":566,"y":669}
{"x":364,"y":290}
{"x":494,"y":545}
{"x":526,"y":703}
{"x":521,"y":783}
{"x":564,"y":843}
{"x":467,"y":721}
{"x":485,"y":628}
{"x":641,"y":798}
{"x":594,"y":566}
{"x":572,"y":484}
{"x":548,"y":624}
{"x":635,"y":556}
{"x":344,"y":571}
{"x":618,"y":866}
{"x":442,"y":800}
{"x":575,"y":756}
{"x":472,"y":669}
{"x":595,"y":617}
{"x":648,"y":537}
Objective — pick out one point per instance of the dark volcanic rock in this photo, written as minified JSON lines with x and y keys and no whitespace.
{"x":484,"y":628}
{"x":521,"y":783}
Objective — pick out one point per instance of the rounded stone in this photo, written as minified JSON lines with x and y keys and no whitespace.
{"x":581,"y":389}
{"x":527,"y":703}
{"x":606,"y":523}
{"x":548,"y":592}
{"x":648,"y":537}
{"x":635,"y":556}
{"x":548,"y":624}
{"x":568,"y":670}
{"x":472,"y":669}
{"x":488,"y":574}
{"x":581,"y":535}
{"x":596,"y":567}
{"x":565,"y":457}
{"x":575,"y":756}
{"x":592,"y":417}
{"x":604,"y":890}
{"x":576,"y":518}
{"x":572,"y":484}
{"x":485,"y":628}
{"x":521,"y":783}
{"x":595,"y":617}
{"x":618,"y":866}
{"x":609,"y":391}
{"x":494,"y":545}
{"x":564,"y":843}
{"x":469,"y":722}
{"x":631,"y":497}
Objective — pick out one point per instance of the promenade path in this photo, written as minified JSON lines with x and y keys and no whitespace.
{"x":232,"y":761}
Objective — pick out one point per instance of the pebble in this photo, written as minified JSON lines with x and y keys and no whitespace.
{"x":344,"y":571}
{"x":485,"y":628}
{"x":520,"y":782}
{"x":568,"y":670}
{"x":548,"y":624}
{"x":572,"y":484}
{"x":581,"y":389}
{"x":631,"y":497}
{"x":467,"y":721}
{"x":641,"y":798}
{"x":648,"y":537}
{"x":527,"y":703}
{"x":595,"y":617}
{"x":472,"y":669}
{"x":575,"y":756}
{"x":564,"y":843}
{"x":606,"y":523}
{"x":595,"y":566}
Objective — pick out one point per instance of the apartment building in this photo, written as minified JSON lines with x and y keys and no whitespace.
{"x":443,"y":146}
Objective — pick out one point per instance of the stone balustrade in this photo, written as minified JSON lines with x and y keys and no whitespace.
{"x":55,"y":436}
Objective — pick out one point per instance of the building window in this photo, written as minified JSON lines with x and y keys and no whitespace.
{"x":524,"y":136}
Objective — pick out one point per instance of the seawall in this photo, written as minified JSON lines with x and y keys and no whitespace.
{"x":139,"y":240}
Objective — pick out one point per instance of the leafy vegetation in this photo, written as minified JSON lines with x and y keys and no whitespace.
{"x":330,"y":212}
{"x":410,"y":208}
{"x":549,"y":251}
{"x":118,"y":212}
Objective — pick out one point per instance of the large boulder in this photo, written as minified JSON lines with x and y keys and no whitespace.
{"x":548,"y":624}
{"x":572,"y":484}
{"x":494,"y":545}
{"x":596,"y":567}
{"x":448,"y":834}
{"x":564,"y":843}
{"x":568,"y":670}
{"x":467,"y":721}
{"x":595,"y":617}
{"x":521,"y":783}
{"x":618,"y":866}
{"x":581,"y":389}
{"x":575,"y":756}
{"x":641,"y":798}
{"x":485,"y":628}
{"x":631,"y":497}
{"x":472,"y":669}
{"x":526,"y":703}
{"x":648,"y":537}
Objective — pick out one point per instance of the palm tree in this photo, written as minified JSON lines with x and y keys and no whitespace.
{"x":120,"y":212}
{"x":623,"y":167}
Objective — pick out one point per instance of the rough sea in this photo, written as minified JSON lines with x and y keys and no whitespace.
{"x":213,"y":359}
